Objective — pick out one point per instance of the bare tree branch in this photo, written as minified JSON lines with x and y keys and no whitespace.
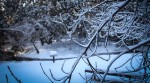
{"x":18,"y":80}
{"x":45,"y":73}
{"x":7,"y":79}
{"x":132,"y":48}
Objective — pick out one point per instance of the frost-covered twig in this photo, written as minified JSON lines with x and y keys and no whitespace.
{"x":62,"y":68}
{"x":133,"y":47}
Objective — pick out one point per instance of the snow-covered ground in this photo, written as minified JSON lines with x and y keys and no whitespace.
{"x":65,"y":49}
{"x":31,"y":72}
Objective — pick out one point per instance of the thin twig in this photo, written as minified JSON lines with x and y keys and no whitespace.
{"x":132,"y":48}
{"x":45,"y":73}
{"x":7,"y":78}
{"x":18,"y":80}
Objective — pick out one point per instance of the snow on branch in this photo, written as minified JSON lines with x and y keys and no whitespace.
{"x":132,"y":48}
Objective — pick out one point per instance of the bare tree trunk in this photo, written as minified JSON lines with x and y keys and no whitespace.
{"x":35,"y":47}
